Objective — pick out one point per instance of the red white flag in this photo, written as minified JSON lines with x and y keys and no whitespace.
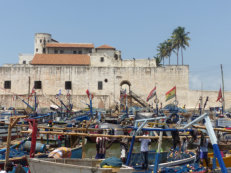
{"x":89,"y":94}
{"x":219,"y":97}
{"x":151,"y":94}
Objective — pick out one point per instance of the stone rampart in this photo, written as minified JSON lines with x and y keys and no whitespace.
{"x":141,"y":81}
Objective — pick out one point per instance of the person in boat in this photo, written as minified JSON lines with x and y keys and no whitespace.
{"x":184,"y":146}
{"x":176,"y":139}
{"x":61,"y":152}
{"x":175,"y":133}
{"x":193,"y":134}
{"x":145,"y":142}
{"x":101,"y":146}
{"x":50,"y":124}
{"x":204,"y":150}
{"x":117,"y":108}
{"x":124,"y":148}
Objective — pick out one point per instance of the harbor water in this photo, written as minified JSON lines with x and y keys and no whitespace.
{"x":114,"y":150}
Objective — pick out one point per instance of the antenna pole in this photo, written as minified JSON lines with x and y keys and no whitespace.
{"x":223,"y":90}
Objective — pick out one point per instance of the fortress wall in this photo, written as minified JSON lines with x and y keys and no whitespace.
{"x":194,"y":95}
{"x":142,"y":80}
{"x":78,"y":101}
{"x":139,"y":63}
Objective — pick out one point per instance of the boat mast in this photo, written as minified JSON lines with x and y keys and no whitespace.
{"x":223,"y":91}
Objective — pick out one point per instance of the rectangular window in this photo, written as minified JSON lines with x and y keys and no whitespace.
{"x":101,"y":59}
{"x":68,"y":85}
{"x":7,"y":84}
{"x":80,"y":52}
{"x":56,"y":51}
{"x":44,"y":50}
{"x":74,"y":52}
{"x":24,"y":62}
{"x":61,"y":51}
{"x":37,"y":84}
{"x":100,"y":85}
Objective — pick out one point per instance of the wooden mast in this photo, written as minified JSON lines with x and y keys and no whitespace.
{"x":13,"y":122}
{"x":223,"y":90}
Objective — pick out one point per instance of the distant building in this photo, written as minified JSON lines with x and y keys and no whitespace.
{"x":72,"y":68}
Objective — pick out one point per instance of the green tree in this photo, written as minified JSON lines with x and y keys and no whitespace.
{"x":168,"y":49}
{"x":158,"y":60}
{"x":180,"y":40}
{"x":162,"y":51}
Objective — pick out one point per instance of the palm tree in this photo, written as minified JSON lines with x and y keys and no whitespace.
{"x":158,"y":60}
{"x":168,"y":47}
{"x":162,"y":51}
{"x":180,"y":40}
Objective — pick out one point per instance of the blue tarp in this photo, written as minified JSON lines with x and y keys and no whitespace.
{"x":112,"y":161}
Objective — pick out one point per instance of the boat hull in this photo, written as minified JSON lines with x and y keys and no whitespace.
{"x":71,"y":166}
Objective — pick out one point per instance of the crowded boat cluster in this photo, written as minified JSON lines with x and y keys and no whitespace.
{"x":146,"y":138}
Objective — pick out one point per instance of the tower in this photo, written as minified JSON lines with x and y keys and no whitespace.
{"x":40,"y":41}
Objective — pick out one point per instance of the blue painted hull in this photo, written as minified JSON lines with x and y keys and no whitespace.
{"x":76,"y":153}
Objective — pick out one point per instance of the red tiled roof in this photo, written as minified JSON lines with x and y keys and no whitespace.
{"x":105,"y":47}
{"x":61,"y":59}
{"x":70,"y":45}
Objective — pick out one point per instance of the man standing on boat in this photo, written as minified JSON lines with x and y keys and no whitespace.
{"x":144,"y":150}
{"x":101,"y":148}
{"x":204,"y":150}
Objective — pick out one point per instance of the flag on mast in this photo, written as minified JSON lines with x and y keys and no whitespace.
{"x":171,"y":93}
{"x":219,"y":97}
{"x":151,"y":94}
{"x":90,"y":95}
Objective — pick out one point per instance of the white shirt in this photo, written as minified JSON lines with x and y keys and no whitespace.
{"x":144,"y":144}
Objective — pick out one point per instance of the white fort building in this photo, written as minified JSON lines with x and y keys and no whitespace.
{"x":75,"y":67}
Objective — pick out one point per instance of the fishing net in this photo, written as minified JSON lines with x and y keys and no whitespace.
{"x":183,"y":169}
{"x":137,"y":159}
{"x":174,"y":155}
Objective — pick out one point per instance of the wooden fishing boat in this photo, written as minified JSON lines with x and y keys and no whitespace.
{"x":113,"y":129}
{"x":162,"y":160}
{"x":4,"y":133}
{"x":22,"y":159}
{"x":72,"y":166}
{"x":226,"y":159}
{"x":223,"y":146}
{"x":178,"y":162}
{"x":143,"y":115}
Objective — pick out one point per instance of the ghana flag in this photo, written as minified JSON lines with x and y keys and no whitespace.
{"x":171,"y":93}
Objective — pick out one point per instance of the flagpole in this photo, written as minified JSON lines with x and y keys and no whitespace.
{"x":223,"y":91}
{"x":35,"y":102}
{"x":157,"y":111}
{"x":29,"y":90}
{"x":91,"y":112}
{"x":126,"y":104}
{"x":175,"y":97}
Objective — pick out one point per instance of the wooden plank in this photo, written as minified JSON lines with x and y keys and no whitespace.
{"x":8,"y":142}
{"x":215,"y":129}
{"x":99,"y":135}
{"x":83,"y":147}
{"x":13,"y":121}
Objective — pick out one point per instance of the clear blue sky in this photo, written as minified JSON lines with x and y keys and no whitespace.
{"x":133,"y":26}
